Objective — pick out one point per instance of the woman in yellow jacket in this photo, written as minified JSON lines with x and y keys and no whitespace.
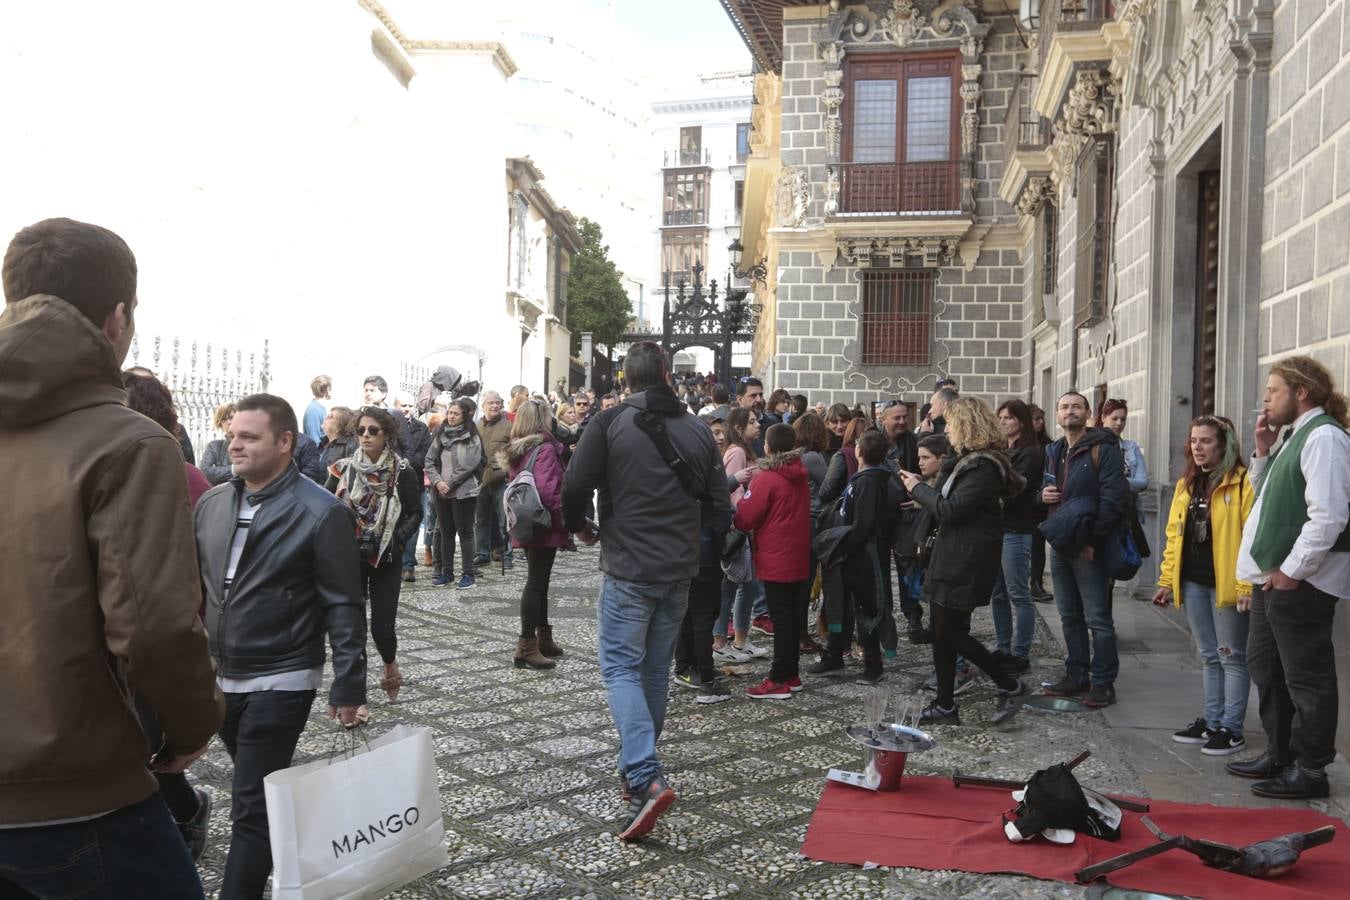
{"x":1199,"y":566}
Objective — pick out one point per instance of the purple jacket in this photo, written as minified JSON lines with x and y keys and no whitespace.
{"x":548,"y":478}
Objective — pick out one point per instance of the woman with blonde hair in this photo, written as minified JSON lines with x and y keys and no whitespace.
{"x":967,"y":508}
{"x":215,"y":464}
{"x":1199,"y":571}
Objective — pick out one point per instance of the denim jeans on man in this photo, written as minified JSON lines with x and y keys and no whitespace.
{"x":1083,"y":598}
{"x":136,"y":851}
{"x":489,"y":527}
{"x":260,"y":731}
{"x":1014,"y":616}
{"x":1220,"y":635}
{"x":639,"y":624}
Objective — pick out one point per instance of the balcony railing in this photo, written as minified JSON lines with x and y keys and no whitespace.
{"x":890,"y":189}
{"x":1059,"y":15}
{"x":671,"y":159}
{"x":685,"y":217}
{"x":1023,"y":126}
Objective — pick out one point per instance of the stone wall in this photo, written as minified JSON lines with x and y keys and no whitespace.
{"x":1305,"y":253}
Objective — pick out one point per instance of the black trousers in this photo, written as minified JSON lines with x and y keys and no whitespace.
{"x":260,"y":732}
{"x":1292,"y":661}
{"x":951,"y":635}
{"x":693,"y":648}
{"x":381,"y":586}
{"x":1037,"y":556}
{"x":174,"y":788}
{"x":534,"y":598}
{"x":456,"y":517}
{"x":785,"y":600}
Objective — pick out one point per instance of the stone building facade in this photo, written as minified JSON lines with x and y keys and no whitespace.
{"x":1154,"y":204}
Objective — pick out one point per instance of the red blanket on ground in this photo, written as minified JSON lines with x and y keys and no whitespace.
{"x":931,"y":824}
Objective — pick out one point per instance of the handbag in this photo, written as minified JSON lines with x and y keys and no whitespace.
{"x":737,"y":562}
{"x":359,"y":826}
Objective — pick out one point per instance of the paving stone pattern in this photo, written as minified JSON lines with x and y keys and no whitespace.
{"x":527,"y":762}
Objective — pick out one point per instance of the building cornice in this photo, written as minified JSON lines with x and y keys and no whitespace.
{"x":718,"y":104}
{"x":500,"y":57}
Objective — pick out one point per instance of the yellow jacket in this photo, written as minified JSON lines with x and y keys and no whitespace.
{"x":1229,"y":507}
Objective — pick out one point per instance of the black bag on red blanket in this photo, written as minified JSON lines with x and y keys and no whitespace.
{"x":1053,"y":798}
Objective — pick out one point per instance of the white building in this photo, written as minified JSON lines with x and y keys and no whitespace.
{"x":578,"y":108}
{"x":301,"y":177}
{"x":701,"y":140}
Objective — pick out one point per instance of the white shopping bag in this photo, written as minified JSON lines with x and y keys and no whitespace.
{"x":359,"y":826}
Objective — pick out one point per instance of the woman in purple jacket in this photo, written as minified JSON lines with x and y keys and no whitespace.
{"x":533,"y":430}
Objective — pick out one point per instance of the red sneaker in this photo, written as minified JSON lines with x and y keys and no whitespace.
{"x":794,"y":684}
{"x":762,"y":624}
{"x":770,"y":690}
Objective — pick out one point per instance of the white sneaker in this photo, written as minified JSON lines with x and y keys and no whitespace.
{"x":729,"y":654}
{"x":753,"y":651}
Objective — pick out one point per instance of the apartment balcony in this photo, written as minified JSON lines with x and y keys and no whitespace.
{"x":677,"y":218}
{"x":1026,"y":140}
{"x":677,"y":159}
{"x":900,"y":189}
{"x":1070,"y":33}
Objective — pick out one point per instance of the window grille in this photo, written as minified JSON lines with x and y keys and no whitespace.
{"x":897,"y":314}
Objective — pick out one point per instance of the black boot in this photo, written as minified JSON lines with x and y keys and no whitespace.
{"x":1038,"y":592}
{"x":872,"y":672}
{"x":1295,"y":783}
{"x":1263,"y":767}
{"x":828,"y":664}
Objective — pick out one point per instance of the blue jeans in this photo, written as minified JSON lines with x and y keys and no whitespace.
{"x":639,"y":625}
{"x":1220,"y":635}
{"x":410,"y":549}
{"x":1083,"y":598}
{"x":135,"y":851}
{"x":746,"y":597}
{"x":1014,"y":616}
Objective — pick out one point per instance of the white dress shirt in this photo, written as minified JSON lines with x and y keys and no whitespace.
{"x":1326,"y":469}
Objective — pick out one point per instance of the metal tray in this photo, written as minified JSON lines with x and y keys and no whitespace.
{"x":892,"y":737}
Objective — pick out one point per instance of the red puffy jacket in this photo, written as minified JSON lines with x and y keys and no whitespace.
{"x":776,"y":511}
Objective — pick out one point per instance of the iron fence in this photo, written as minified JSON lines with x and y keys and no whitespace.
{"x":201,"y":378}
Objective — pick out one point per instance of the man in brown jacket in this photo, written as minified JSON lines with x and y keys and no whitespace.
{"x":489,"y":526}
{"x":98,"y":587}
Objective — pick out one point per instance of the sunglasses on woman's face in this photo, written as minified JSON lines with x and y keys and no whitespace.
{"x":372,"y":430}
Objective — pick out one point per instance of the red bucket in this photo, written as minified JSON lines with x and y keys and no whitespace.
{"x":890,"y":765}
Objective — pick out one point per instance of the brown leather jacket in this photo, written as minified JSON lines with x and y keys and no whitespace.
{"x":98,"y":577}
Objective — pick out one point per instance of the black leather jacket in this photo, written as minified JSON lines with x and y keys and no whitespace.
{"x":298,"y":580}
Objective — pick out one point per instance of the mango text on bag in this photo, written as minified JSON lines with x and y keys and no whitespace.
{"x":392,"y":825}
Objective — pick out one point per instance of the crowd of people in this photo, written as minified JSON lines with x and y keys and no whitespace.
{"x":210,"y":594}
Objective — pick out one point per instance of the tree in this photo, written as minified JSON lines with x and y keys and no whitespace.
{"x":596,"y":301}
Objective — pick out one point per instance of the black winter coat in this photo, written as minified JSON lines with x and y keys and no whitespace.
{"x":1019,"y":513}
{"x":414,"y":440}
{"x":341,"y":448}
{"x":969,"y":547}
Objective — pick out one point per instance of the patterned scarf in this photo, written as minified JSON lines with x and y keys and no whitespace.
{"x":371,"y":490}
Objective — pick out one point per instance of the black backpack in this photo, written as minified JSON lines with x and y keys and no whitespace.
{"x":1054,"y":799}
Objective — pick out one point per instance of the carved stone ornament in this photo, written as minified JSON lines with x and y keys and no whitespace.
{"x":793,"y":196}
{"x":1038,"y":191}
{"x":898,"y":253}
{"x":1090,"y":107}
{"x":902,"y":24}
{"x":831,"y":190}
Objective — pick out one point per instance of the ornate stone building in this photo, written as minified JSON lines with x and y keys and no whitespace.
{"x":1147,"y":199}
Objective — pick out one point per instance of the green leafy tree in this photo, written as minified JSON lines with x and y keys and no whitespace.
{"x":596,"y":301}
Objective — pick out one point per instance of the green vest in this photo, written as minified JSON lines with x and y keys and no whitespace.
{"x":1283,"y":509}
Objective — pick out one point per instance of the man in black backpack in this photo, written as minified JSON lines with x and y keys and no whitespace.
{"x":660,"y":480}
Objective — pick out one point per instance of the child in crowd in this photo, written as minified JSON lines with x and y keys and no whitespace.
{"x":776,"y":512}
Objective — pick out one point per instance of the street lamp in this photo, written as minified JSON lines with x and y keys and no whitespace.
{"x":758,"y":272}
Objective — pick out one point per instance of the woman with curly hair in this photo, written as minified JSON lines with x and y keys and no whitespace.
{"x":382,"y":490}
{"x":967,"y":507}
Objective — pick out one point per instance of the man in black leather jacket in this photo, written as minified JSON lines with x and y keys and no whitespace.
{"x":279,"y":567}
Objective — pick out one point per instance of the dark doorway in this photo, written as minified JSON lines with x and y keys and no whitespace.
{"x":1206,"y":292}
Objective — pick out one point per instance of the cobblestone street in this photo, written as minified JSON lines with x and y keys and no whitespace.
{"x":527,"y":763}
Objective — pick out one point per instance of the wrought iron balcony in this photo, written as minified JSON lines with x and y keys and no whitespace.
{"x":672,"y":159}
{"x":900,"y":189}
{"x":685,"y":217}
{"x":1023,"y":126}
